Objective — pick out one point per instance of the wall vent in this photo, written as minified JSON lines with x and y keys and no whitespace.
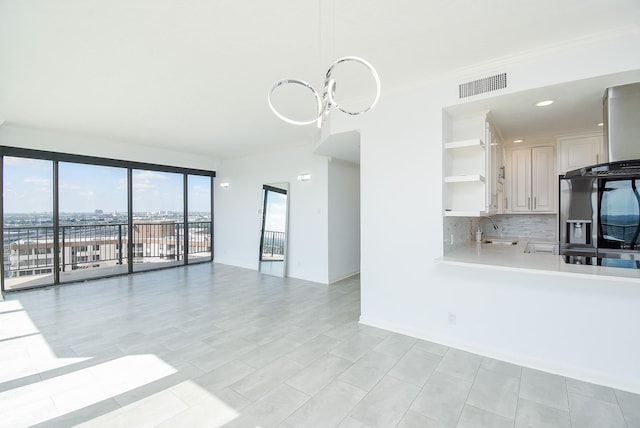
{"x":480,"y":86}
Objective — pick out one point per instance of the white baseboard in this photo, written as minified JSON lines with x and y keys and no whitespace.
{"x":555,"y":367}
{"x":349,"y":275}
{"x":253,"y":267}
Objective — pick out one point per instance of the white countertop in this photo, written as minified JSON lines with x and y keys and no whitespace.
{"x":513,"y":257}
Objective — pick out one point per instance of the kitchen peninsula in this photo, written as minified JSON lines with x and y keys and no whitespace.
{"x":514,"y":258}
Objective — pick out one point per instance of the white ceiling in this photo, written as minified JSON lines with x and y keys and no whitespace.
{"x":194,"y":75}
{"x":577,"y":108}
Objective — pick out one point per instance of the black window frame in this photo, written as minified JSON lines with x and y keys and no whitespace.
{"x":57,"y":157}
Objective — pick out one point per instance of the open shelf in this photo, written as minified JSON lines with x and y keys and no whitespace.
{"x":474,"y":142}
{"x":472,"y":178}
{"x":465,"y":168}
{"x":464,"y":195}
{"x":464,"y":213}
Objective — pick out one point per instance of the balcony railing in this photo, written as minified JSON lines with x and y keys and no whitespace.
{"x":620,"y":232}
{"x":273,"y":245}
{"x":29,"y":251}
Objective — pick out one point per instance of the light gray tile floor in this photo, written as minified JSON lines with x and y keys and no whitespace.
{"x":212,"y":345}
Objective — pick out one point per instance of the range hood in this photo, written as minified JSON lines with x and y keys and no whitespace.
{"x":621,"y":108}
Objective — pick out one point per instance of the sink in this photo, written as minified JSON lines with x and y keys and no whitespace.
{"x":541,"y":248}
{"x":500,"y":241}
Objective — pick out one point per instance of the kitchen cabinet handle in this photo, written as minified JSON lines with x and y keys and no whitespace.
{"x":535,"y":202}
{"x":529,"y":203}
{"x":506,"y":203}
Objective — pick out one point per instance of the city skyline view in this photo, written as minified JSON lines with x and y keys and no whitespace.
{"x":107,"y":220}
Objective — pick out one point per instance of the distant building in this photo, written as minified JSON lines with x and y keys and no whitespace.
{"x":98,"y":212}
{"x":83,"y":247}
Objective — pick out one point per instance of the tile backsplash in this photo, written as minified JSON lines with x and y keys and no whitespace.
{"x":544,"y":226}
{"x":459,"y":231}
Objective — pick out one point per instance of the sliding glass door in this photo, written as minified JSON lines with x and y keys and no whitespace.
{"x":158,"y":219}
{"x":28,"y":232}
{"x":199,"y":218}
{"x":68,"y":218}
{"x":92,"y":220}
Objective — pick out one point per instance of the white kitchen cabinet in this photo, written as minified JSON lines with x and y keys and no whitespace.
{"x":578,"y":151}
{"x":543,"y":179}
{"x":532,"y":180}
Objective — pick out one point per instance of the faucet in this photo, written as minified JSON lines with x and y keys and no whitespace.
{"x":495,"y":225}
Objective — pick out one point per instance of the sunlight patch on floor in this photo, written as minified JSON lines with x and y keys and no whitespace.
{"x":185,"y":404}
{"x":47,"y":399}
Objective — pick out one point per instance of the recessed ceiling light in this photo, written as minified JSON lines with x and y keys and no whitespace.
{"x":544,"y":103}
{"x":601,"y":124}
{"x":519,"y":140}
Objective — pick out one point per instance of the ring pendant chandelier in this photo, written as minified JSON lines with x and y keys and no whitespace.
{"x":327,"y":100}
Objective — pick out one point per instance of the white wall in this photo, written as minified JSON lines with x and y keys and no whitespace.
{"x":585,"y":328}
{"x":582,"y":327}
{"x":28,"y":138}
{"x":344,"y":219}
{"x":237,"y":210}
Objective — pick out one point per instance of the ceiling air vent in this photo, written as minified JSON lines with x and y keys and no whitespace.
{"x":480,"y":86}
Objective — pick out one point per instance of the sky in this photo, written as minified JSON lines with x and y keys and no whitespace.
{"x":621,"y":202}
{"x":28,"y":188}
{"x":276,"y":218}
